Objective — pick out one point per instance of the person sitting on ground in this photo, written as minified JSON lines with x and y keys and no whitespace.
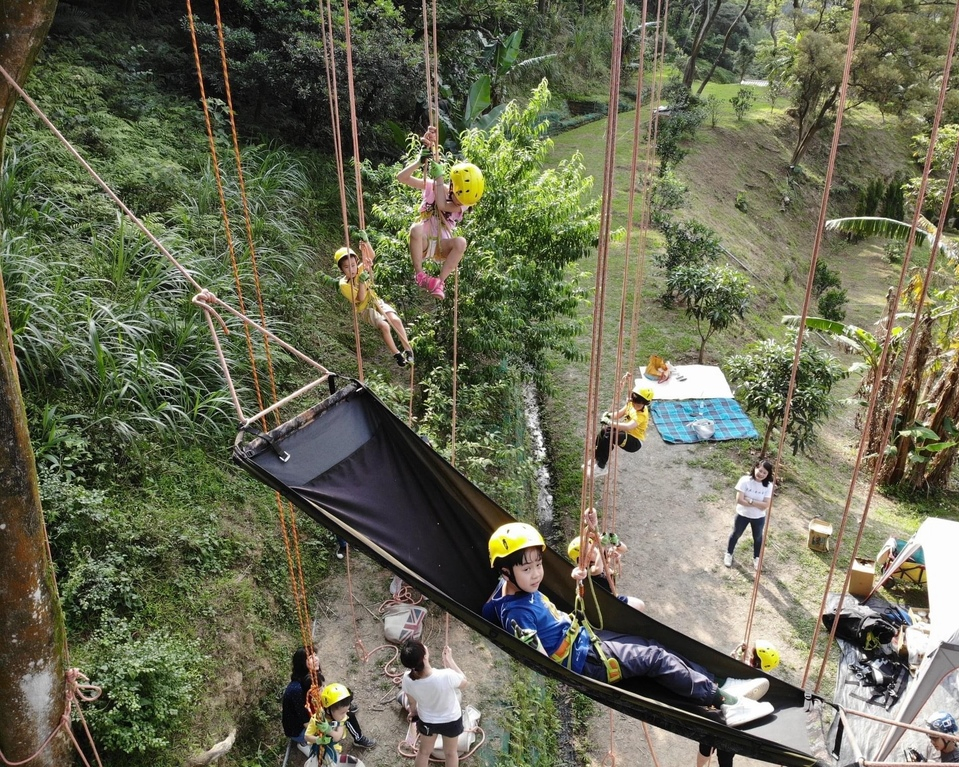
{"x":296,"y":697}
{"x":516,"y":555}
{"x":763,"y":655}
{"x":442,"y":209}
{"x":944,"y":722}
{"x":433,"y":701}
{"x":605,"y":556}
{"x":326,"y":727}
{"x":626,"y":428}
{"x":356,"y":287}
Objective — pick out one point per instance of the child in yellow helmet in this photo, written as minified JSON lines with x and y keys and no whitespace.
{"x":604,"y":558}
{"x":626,"y":428}
{"x":517,"y":604}
{"x":356,"y":287}
{"x":442,"y":209}
{"x":327,"y":726}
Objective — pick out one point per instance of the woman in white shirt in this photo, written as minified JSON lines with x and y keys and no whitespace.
{"x":433,"y":701}
{"x":754,"y":491}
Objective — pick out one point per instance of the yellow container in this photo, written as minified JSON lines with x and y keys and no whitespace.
{"x":819,"y":533}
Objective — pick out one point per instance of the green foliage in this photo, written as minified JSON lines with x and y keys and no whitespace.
{"x":669,"y":193}
{"x":517,"y":305}
{"x":870,"y":198}
{"x":825,"y":278}
{"x":688,"y":243}
{"x":715,"y":296}
{"x":713,"y":108}
{"x":832,"y":304}
{"x":148,"y":688}
{"x":532,"y":724}
{"x":762,"y":376}
{"x":742,"y":102}
{"x":742,"y":204}
{"x":677,"y":125}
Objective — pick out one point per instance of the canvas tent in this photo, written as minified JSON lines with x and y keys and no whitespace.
{"x":939,"y":539}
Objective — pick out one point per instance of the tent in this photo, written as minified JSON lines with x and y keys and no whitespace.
{"x":939,"y":539}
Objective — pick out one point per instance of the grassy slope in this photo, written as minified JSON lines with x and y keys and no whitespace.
{"x":775,"y":246}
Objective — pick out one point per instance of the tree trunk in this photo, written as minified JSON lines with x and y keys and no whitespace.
{"x":807,"y":134}
{"x":769,"y":433}
{"x":729,"y":33}
{"x":32,"y":634}
{"x":24,"y":25}
{"x":689,"y":73}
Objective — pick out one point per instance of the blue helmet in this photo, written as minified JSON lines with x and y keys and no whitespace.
{"x":943,"y":721}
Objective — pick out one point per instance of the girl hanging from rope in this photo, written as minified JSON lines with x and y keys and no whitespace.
{"x":442,"y":209}
{"x":605,"y":557}
{"x":356,"y":285}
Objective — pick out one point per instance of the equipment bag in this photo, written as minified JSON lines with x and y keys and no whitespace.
{"x":402,"y":622}
{"x":861,"y":625}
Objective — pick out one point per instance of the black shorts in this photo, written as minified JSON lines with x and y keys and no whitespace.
{"x":447,"y":729}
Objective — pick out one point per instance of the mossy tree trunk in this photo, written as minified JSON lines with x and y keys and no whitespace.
{"x":32,"y":634}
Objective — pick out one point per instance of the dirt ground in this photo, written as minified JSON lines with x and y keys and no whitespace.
{"x":675,"y":517}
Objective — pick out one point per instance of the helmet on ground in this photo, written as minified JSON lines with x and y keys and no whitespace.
{"x":341,"y":254}
{"x":943,"y":721}
{"x":768,"y":655}
{"x":513,"y":537}
{"x":467,"y":182}
{"x":644,"y":393}
{"x":333,"y":694}
{"x":573,"y":548}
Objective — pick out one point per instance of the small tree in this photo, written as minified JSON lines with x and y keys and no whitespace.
{"x":742,"y":102}
{"x":715,"y":296}
{"x":713,"y":105}
{"x":688,"y":243}
{"x":762,"y":377}
{"x":832,"y":304}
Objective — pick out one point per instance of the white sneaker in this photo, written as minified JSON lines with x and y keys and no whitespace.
{"x":728,"y":560}
{"x":592,"y":470}
{"x":756,"y":564}
{"x":754,"y":689}
{"x":745,"y":711}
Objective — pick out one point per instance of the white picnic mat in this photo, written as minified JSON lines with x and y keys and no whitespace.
{"x":702,"y":382}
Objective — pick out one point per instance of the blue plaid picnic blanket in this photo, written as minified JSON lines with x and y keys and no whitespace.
{"x":672,"y":418}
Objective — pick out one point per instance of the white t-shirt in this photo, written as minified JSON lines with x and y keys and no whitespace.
{"x":754,"y":491}
{"x":435,"y":695}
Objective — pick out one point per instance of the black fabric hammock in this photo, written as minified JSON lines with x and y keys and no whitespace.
{"x":359,"y":471}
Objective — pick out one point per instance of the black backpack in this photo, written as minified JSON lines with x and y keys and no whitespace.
{"x":861,"y":625}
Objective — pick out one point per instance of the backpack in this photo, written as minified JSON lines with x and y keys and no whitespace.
{"x":861,"y":625}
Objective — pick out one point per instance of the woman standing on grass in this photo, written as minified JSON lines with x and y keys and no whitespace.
{"x":754,"y":492}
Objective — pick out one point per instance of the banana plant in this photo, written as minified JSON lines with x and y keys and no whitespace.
{"x":877,"y":226}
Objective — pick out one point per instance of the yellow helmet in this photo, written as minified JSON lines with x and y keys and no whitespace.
{"x":768,"y":655}
{"x":467,"y":182}
{"x":644,"y":392}
{"x":513,"y":537}
{"x":574,"y":548}
{"x":341,"y":254}
{"x":333,"y":694}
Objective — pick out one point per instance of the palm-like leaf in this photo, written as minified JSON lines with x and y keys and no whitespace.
{"x":878,"y":226}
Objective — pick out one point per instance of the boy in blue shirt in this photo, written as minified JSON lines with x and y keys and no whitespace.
{"x":516,"y":551}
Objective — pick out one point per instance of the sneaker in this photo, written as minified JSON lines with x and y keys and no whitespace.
{"x":756,"y":564}
{"x":745,"y":711}
{"x":400,"y":359}
{"x":728,"y":560}
{"x":408,"y":353}
{"x":435,"y":287}
{"x":754,"y":689}
{"x":421,"y":278}
{"x":592,"y":470}
{"x":341,"y":552}
{"x":354,"y":707}
{"x":365,"y":741}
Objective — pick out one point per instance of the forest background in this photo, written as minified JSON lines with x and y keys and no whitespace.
{"x":152,"y":532}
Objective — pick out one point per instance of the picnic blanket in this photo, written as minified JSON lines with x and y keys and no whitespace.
{"x":689,"y":382}
{"x":672,"y":419}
